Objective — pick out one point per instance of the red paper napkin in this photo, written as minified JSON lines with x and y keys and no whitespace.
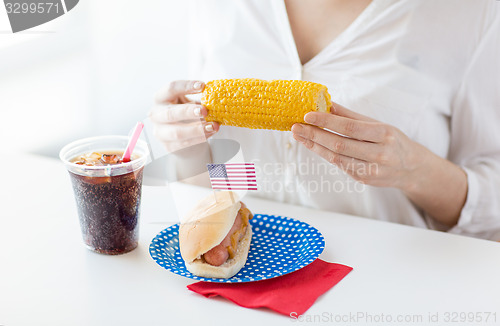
{"x":294,"y":292}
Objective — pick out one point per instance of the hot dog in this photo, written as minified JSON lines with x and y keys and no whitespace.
{"x":215,"y":237}
{"x":225,"y":250}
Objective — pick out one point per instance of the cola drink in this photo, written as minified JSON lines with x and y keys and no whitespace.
{"x":108,"y":196}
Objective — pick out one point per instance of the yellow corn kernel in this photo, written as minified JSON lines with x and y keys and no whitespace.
{"x":260,"y":104}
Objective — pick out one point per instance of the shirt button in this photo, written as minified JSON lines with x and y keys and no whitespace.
{"x":288,"y":145}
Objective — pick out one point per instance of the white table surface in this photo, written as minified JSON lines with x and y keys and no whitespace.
{"x":47,"y":276}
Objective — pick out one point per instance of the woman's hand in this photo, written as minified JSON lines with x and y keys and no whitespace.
{"x":379,"y":154}
{"x":371,"y":152}
{"x":179,"y":122}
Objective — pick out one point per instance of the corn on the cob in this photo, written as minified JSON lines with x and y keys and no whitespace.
{"x":261,"y":104}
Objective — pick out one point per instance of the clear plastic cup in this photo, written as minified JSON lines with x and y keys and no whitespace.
{"x":108,"y":197}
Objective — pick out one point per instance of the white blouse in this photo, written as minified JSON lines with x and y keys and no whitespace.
{"x":430,"y":68}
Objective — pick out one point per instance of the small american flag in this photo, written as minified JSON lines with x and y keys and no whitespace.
{"x":232,"y":176}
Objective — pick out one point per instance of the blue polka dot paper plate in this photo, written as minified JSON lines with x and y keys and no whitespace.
{"x":280,"y":245}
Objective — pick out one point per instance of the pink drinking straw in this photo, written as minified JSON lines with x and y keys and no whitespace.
{"x":133,"y":140}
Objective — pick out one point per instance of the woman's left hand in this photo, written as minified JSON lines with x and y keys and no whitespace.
{"x":370,"y":151}
{"x":381,"y":155}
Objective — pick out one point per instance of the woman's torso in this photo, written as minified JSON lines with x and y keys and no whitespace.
{"x":399,"y":62}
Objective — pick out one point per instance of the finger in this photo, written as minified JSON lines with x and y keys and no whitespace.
{"x":339,"y":110}
{"x":182,"y":132}
{"x":362,"y":130}
{"x":179,"y":88}
{"x":358,"y":169}
{"x":349,"y":147}
{"x":169,"y":113}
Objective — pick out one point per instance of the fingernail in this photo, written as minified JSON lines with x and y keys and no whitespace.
{"x":209,"y":127}
{"x":197,"y":111}
{"x":297,"y":128}
{"x":197,"y":85}
{"x":310,"y":118}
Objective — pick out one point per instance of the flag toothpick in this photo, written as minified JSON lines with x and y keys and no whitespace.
{"x":232,"y":176}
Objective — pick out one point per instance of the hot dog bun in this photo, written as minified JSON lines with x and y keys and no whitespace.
{"x":205,"y":227}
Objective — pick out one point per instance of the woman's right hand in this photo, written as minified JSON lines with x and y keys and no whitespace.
{"x":179,"y":122}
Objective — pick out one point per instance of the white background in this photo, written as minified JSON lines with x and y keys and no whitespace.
{"x":92,"y":71}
